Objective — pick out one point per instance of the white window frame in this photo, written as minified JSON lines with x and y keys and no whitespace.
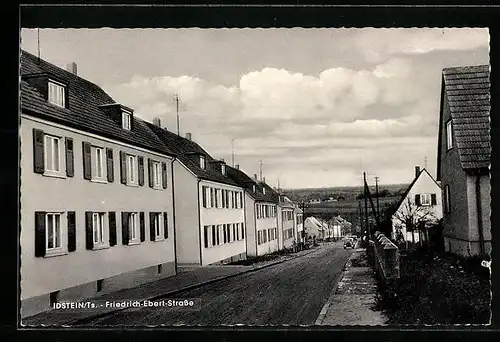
{"x":428,"y":200}
{"x":158,"y":226}
{"x":157,"y":176}
{"x":56,"y":93}
{"x":223,"y":169}
{"x":132,"y":169}
{"x":126,"y":120}
{"x":96,"y":161}
{"x":203,"y":163}
{"x":49,"y":142}
{"x":54,"y":249}
{"x":133,"y":227}
{"x":449,"y":135}
{"x":98,"y":233}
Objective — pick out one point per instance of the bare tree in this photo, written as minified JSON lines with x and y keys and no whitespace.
{"x":415,"y":218}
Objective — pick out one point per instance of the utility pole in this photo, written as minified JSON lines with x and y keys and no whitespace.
{"x":367,"y":226}
{"x":376,"y":191}
{"x":38,"y":40}
{"x":176,"y":99}
{"x":232,"y":150}
{"x":360,"y":217}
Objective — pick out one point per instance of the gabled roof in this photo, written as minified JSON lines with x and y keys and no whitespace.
{"x":186,"y":149}
{"x":83,"y":112}
{"x":315,"y":221}
{"x":467,"y":91}
{"x":246,"y":182}
{"x":408,"y":189}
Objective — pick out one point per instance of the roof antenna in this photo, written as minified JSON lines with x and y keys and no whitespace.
{"x":425,"y":163}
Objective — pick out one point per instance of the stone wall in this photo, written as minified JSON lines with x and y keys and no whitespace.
{"x":384,"y":257}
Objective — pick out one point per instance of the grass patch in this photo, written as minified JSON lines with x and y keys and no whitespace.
{"x":437,"y":288}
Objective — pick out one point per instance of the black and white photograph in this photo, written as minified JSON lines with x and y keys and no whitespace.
{"x":236,"y":177}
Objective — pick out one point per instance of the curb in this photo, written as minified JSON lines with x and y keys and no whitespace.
{"x":186,"y":288}
{"x":325,"y":308}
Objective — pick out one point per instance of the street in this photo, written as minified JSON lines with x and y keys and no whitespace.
{"x":290,"y":293}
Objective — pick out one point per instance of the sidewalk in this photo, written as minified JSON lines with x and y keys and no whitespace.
{"x":352,"y":301}
{"x":187,"y":278}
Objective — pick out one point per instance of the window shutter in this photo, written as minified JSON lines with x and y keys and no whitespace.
{"x":152,"y":232}
{"x":204,"y":191}
{"x":112,"y":228}
{"x":164,"y":175}
{"x":223,"y":197}
{"x":110,"y":165}
{"x":123,"y":168}
{"x":150,"y":173}
{"x":40,"y":234}
{"x":205,"y":236}
{"x":165,"y":224}
{"x":141,"y":170}
{"x":125,"y":232}
{"x":71,"y":231}
{"x":70,"y":164}
{"x":38,"y":152}
{"x":87,"y":160}
{"x":433,"y":199}
{"x":89,"y":234}
{"x":417,"y":200}
{"x":142,"y":226}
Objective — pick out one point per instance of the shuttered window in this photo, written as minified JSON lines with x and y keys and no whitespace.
{"x":52,"y":154}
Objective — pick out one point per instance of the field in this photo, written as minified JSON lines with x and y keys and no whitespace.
{"x":345,"y":193}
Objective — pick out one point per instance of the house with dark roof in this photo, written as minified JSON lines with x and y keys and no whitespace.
{"x":261,"y":216}
{"x":96,"y":204}
{"x":419,"y":207}
{"x":299,"y":219}
{"x":463,"y":165}
{"x":209,"y":207}
{"x":287,"y":222}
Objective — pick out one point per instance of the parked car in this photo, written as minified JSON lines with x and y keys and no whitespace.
{"x":348,"y":243}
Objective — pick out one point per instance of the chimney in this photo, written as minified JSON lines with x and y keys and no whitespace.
{"x":188,"y":136}
{"x":237,"y":166}
{"x":72,"y":68}
{"x":157,"y":122}
{"x":417,"y":171}
{"x":263,"y":179}
{"x":255,"y":176}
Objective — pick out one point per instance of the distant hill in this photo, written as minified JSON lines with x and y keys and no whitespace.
{"x":347,"y":193}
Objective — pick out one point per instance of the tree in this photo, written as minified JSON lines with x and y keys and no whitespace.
{"x":414,"y":218}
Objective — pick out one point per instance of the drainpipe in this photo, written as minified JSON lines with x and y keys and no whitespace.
{"x":199,"y":219}
{"x":479,"y":213}
{"x":174,"y":214}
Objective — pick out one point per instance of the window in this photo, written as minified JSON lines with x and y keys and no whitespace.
{"x":98,"y":172}
{"x":52,"y":154}
{"x":425,"y":199}
{"x":98,"y":227}
{"x":156,"y":174}
{"x":202,"y":162}
{"x":126,"y":120}
{"x":157,"y":226}
{"x":207,"y":237}
{"x":131,"y":169}
{"x":447,"y":199}
{"x":263,"y":190}
{"x":223,"y":169}
{"x":53,"y":231}
{"x":253,"y":188}
{"x":214,"y":237}
{"x":133,"y":227}
{"x":57,"y":94}
{"x":449,"y":135}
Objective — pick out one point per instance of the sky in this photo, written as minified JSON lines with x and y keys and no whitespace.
{"x":318,"y":106}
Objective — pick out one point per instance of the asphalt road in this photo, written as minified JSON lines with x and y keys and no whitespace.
{"x":290,"y":293}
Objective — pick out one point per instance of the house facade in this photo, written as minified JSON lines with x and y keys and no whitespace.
{"x":96,"y":203}
{"x":286,"y":222}
{"x":420,"y":204}
{"x":210,"y":205}
{"x":464,"y":154}
{"x":299,"y":219}
{"x":314,"y":229}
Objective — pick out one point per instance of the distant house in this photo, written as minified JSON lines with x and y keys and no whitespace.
{"x":300,"y":224}
{"x":314,"y":228}
{"x":261,"y":214}
{"x":336,"y":225}
{"x":209,"y":207}
{"x":286,"y":222}
{"x":463,"y":165}
{"x":421,"y":202}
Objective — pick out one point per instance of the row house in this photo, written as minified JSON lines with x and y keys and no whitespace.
{"x":209,"y":207}
{"x":261,"y":214}
{"x":286,"y":223}
{"x":299,"y":219}
{"x":96,"y":192}
{"x":464,"y":159}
